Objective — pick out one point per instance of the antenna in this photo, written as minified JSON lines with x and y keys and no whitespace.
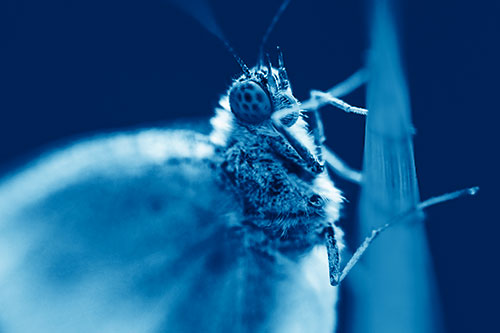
{"x":201,"y":12}
{"x":240,"y":62}
{"x":270,"y":28}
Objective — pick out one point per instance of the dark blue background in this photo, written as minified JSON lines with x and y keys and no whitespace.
{"x":72,"y":68}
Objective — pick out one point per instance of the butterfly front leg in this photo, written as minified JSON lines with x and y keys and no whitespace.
{"x":334,"y":162}
{"x":287,"y":146}
{"x":333,"y":256}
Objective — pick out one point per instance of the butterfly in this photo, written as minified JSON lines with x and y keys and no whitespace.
{"x":176,"y":230}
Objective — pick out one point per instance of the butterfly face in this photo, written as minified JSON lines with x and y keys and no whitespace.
{"x":256,"y":95}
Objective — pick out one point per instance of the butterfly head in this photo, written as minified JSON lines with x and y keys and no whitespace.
{"x":261,"y":91}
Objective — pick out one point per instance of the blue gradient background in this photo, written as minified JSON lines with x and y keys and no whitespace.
{"x":73,"y":68}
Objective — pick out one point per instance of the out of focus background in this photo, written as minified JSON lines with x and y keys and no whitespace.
{"x":71,"y":69}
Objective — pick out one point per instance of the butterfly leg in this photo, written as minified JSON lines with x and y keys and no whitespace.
{"x":325,"y":154}
{"x":292,"y":149}
{"x":340,"y":167}
{"x":350,"y":84}
{"x":339,"y":274}
{"x":332,"y":95}
{"x":333,"y":256}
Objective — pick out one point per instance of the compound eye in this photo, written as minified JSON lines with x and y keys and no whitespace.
{"x":249,"y":102}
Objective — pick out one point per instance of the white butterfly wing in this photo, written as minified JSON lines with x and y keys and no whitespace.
{"x":130,"y":233}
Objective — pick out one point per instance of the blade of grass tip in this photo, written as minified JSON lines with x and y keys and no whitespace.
{"x":399,"y":277}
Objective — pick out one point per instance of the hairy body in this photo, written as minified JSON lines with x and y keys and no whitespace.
{"x":277,"y":194}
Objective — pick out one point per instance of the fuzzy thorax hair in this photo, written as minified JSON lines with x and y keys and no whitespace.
{"x":275,"y":193}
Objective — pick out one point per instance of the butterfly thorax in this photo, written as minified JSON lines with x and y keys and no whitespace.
{"x":271,"y":166}
{"x":283,"y":206}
